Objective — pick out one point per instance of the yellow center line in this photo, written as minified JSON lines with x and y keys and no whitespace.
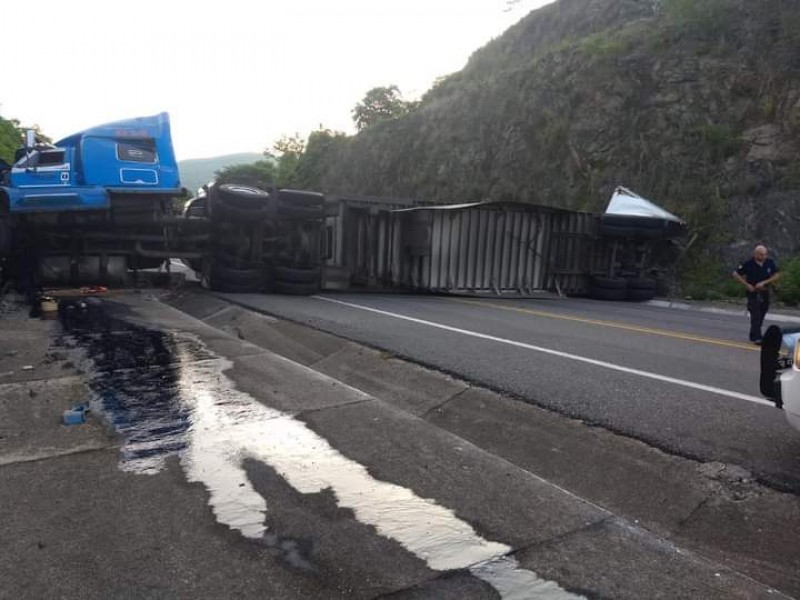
{"x":612,"y":324}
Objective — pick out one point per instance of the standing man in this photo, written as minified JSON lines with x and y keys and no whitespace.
{"x":756,"y":274}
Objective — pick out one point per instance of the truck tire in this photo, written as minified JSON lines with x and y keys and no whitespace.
{"x":295,"y":289}
{"x":243,"y":196}
{"x":643,"y":283}
{"x":238,"y":214}
{"x":608,"y":283}
{"x":238,"y":203}
{"x":294,"y":275}
{"x":300,"y":198}
{"x":599,"y":293}
{"x":639,"y":295}
{"x":230,"y":279}
{"x":300,"y":213}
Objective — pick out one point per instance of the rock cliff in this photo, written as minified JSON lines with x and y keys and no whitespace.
{"x":693,"y":103}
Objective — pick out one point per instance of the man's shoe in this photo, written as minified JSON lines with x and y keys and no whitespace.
{"x":758,"y":341}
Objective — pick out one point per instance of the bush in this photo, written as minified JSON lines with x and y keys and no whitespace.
{"x":603,"y":44}
{"x":787,"y":289}
{"x":706,"y":279}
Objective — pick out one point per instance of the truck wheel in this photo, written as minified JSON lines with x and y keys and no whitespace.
{"x":230,"y":279}
{"x":600,"y":293}
{"x":300,"y":198}
{"x":295,"y":289}
{"x":608,"y":283}
{"x":243,"y":196}
{"x":300,"y":213}
{"x":643,"y":283}
{"x":638,"y":295}
{"x":298,"y":204}
{"x":236,"y":203}
{"x":294,"y":275}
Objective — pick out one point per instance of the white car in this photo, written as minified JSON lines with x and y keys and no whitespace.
{"x":780,"y":371}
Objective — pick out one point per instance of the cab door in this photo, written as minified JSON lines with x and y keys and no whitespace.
{"x":42,"y":168}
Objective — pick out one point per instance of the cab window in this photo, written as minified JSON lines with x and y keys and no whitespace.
{"x":49,"y":158}
{"x":40,"y":158}
{"x":143,"y":151}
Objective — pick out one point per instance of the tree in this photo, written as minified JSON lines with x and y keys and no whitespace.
{"x":380,"y":104}
{"x":261,"y":174}
{"x":289,"y":150}
{"x":11,"y":138}
{"x":319,"y":151}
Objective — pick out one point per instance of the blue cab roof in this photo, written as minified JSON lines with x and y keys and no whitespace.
{"x":154,"y":126}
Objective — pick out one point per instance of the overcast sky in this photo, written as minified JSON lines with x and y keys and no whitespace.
{"x":234,"y":75}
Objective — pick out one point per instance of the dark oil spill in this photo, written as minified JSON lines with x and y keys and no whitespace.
{"x":168,"y":395}
{"x":134,"y":376}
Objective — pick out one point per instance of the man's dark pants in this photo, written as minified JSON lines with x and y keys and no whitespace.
{"x":757,"y":305}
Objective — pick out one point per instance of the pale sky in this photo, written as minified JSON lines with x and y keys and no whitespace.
{"x":235,"y":75}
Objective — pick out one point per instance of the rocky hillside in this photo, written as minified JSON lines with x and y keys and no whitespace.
{"x":693,"y":103}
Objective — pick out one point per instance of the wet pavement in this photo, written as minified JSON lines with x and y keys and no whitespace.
{"x":211,"y":467}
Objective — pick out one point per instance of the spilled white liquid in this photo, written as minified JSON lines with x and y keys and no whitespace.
{"x":227,"y":426}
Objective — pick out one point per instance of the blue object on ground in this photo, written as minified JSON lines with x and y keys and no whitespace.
{"x":76,"y":415}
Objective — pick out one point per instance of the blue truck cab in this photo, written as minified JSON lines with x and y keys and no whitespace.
{"x":84,"y":170}
{"x":94,"y":206}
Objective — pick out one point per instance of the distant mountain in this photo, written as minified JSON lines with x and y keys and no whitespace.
{"x":198,"y":171}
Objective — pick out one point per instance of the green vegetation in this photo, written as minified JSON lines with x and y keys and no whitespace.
{"x":721,"y":140}
{"x":196,"y":172}
{"x":702,"y":18}
{"x":11,"y":138}
{"x":787,"y":287}
{"x":261,"y":173}
{"x":293,"y":162}
{"x":706,"y":279}
{"x":288,"y":149}
{"x":603,"y":45}
{"x":380,"y":104}
{"x":321,"y":147}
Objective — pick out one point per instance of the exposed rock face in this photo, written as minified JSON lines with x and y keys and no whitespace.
{"x":693,"y":103}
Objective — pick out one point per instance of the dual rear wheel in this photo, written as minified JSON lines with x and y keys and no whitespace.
{"x":262,"y":240}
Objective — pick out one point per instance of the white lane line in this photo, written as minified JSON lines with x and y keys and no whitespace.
{"x":591,"y":361}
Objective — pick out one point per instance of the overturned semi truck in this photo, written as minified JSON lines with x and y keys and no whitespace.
{"x":105,"y":203}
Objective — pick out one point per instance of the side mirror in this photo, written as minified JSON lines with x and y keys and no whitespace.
{"x":30,"y":139}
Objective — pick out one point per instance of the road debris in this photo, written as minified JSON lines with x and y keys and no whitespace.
{"x":76,"y":415}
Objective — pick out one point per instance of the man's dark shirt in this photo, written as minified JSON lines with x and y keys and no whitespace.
{"x":755,"y":273}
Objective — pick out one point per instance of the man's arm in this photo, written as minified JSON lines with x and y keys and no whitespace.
{"x":762,"y":284}
{"x":743,"y":281}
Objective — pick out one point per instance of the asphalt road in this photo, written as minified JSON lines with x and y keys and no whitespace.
{"x":232,"y":455}
{"x":685,"y":381}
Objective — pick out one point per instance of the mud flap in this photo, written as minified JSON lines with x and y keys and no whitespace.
{"x":770,"y":347}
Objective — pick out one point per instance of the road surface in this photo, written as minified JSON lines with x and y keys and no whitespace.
{"x":685,"y":381}
{"x":229,"y":453}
